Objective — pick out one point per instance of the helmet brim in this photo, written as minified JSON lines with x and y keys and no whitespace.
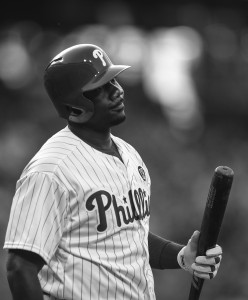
{"x":105,"y":77}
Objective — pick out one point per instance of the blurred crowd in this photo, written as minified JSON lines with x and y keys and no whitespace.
{"x":186,"y":104}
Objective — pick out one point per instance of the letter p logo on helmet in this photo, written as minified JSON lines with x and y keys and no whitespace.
{"x":98,"y":54}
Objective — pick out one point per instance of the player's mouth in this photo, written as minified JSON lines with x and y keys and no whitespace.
{"x":118,"y":100}
{"x":118,"y":106}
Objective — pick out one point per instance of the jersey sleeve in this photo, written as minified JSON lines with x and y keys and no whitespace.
{"x":37,"y":216}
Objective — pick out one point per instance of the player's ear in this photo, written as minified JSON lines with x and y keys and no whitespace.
{"x":79,"y":115}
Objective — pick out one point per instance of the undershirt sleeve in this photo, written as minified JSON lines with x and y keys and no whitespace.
{"x":163,"y":253}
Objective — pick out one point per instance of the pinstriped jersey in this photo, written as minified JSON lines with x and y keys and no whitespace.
{"x":86,"y":213}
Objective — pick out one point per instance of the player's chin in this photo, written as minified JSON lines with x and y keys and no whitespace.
{"x":118,"y":118}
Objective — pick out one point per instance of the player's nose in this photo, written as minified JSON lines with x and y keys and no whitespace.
{"x":117,"y":93}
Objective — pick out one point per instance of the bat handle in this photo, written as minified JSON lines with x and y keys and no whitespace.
{"x":197,"y":283}
{"x":196,"y":288}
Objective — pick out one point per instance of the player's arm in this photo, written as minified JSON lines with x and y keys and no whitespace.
{"x":22,"y":273}
{"x":165,"y":254}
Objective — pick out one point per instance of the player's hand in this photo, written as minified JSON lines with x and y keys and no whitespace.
{"x":205,"y":267}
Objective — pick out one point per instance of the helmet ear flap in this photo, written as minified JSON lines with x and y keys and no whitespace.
{"x":82,"y":111}
{"x":79,"y":117}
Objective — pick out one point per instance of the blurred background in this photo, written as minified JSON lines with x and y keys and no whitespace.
{"x":186,"y":105}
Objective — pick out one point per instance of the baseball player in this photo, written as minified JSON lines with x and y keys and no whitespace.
{"x":79,"y":222}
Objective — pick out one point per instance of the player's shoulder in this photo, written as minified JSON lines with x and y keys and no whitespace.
{"x":63,"y":139}
{"x":54,"y":152}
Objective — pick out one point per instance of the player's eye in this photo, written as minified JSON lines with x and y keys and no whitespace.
{"x":110,"y":84}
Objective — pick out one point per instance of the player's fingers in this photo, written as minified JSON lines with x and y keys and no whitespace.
{"x":217,"y":250}
{"x":207,"y":276}
{"x":205,"y":260}
{"x":205,"y":268}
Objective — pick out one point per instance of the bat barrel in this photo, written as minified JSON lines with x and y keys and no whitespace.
{"x":215,"y":208}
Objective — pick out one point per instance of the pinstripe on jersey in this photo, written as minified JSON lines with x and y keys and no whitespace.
{"x":87,"y":214}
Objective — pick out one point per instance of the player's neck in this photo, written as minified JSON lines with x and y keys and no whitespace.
{"x":100,"y":140}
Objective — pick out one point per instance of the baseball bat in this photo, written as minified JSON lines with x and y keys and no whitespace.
{"x":216,"y":203}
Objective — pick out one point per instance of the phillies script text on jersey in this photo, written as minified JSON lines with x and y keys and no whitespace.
{"x":129,"y":213}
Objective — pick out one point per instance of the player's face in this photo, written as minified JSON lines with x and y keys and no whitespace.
{"x":108,"y":105}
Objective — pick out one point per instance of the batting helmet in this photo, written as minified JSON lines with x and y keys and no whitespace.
{"x":75,"y":70}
